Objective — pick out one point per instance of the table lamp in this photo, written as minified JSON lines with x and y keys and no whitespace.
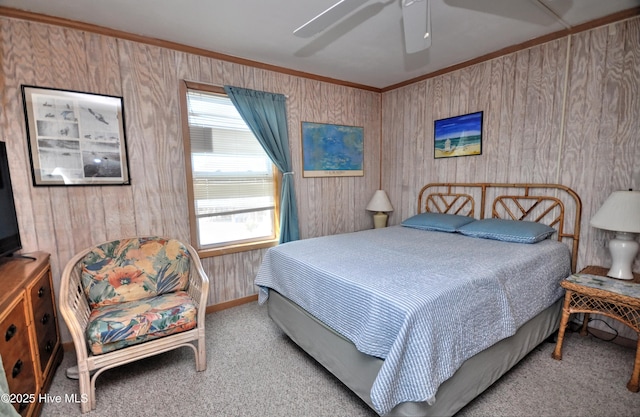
{"x":380,"y":204}
{"x":620,"y":213}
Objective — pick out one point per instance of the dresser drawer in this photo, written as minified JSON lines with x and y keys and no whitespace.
{"x":16,"y":354}
{"x":29,"y":335}
{"x":44,"y":319}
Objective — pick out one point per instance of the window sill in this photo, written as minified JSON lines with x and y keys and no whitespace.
{"x":241,"y":247}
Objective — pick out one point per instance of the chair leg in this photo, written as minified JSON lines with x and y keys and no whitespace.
{"x":86,"y":393}
{"x":201,"y":356}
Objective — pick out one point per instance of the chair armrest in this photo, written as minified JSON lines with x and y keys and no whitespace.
{"x":73,"y":305}
{"x":198,"y":283}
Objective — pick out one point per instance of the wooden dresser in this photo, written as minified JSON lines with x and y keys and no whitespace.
{"x":29,"y":335}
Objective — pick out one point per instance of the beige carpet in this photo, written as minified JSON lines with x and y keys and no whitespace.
{"x":255,"y":370}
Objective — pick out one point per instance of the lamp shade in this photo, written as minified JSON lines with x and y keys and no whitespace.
{"x":380,"y":202}
{"x":619,"y":213}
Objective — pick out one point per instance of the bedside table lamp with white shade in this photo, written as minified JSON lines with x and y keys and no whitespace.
{"x":620,"y":213}
{"x":381,"y":205}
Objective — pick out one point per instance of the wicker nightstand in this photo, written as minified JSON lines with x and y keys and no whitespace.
{"x":591,"y":291}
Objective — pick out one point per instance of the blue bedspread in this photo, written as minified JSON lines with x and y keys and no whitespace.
{"x":423,"y":301}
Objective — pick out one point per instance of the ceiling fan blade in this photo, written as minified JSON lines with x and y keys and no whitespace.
{"x":416,"y":19}
{"x":328,"y":17}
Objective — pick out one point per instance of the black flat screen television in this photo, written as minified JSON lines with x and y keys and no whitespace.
{"x":9,"y":232}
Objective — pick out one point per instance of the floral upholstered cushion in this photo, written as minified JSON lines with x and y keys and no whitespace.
{"x":134,"y":269}
{"x":116,"y":326}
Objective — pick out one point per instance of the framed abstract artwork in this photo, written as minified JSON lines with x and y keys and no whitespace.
{"x":458,"y":136}
{"x":330,"y":150}
{"x":75,"y":138}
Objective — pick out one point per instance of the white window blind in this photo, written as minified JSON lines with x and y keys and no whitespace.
{"x":233,"y":178}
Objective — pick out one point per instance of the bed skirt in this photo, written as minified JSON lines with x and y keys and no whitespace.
{"x":358,"y":371}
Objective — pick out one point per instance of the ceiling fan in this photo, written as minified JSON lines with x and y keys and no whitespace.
{"x":416,"y":21}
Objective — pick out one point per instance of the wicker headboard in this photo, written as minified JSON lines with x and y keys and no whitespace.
{"x":552,"y":204}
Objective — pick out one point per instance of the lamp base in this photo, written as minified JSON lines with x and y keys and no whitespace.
{"x":624,"y":249}
{"x":380,"y":220}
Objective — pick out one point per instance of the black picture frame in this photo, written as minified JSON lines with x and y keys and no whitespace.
{"x":458,"y":136}
{"x":75,"y":138}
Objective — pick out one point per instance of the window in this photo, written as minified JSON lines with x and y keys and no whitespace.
{"x":232,"y":179}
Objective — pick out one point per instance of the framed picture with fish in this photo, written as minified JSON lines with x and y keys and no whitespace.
{"x":330,"y":150}
{"x":75,"y":138}
{"x":458,"y":136}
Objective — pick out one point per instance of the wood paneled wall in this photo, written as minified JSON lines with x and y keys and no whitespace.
{"x":567,"y":112}
{"x":521,"y":95}
{"x":64,"y":220}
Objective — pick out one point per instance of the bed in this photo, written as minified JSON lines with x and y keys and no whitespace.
{"x":420,"y":318}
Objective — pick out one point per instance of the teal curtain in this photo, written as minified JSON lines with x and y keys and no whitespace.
{"x":266,"y":115}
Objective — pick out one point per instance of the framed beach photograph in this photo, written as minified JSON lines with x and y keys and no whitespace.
{"x":330,"y":150}
{"x":75,"y":138}
{"x":458,"y":136}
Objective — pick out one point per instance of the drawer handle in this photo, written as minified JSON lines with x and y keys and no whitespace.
{"x":16,"y":369}
{"x":11,"y":331}
{"x":45,"y":318}
{"x":41,"y":292}
{"x":49,"y":346}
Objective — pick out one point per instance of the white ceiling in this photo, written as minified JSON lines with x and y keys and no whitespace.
{"x":366,"y":47}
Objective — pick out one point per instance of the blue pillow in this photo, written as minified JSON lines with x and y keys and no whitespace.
{"x":519,"y":231}
{"x":437,"y":221}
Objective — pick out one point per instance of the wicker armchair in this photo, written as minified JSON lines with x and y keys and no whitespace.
{"x":129,"y":299}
